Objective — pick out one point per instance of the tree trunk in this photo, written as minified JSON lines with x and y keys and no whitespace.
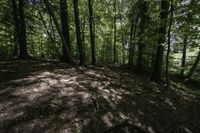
{"x":20,"y":28}
{"x":47,"y":4}
{"x":184,"y":56}
{"x":78,"y":33}
{"x":15,"y":52}
{"x":143,"y":11}
{"x":23,"y":45}
{"x":122,"y":34}
{"x":65,"y":28}
{"x":192,"y":70}
{"x":92,"y":32}
{"x":115,"y":34}
{"x":83,"y":22}
{"x":168,"y":43}
{"x":157,"y":72}
{"x":131,"y":45}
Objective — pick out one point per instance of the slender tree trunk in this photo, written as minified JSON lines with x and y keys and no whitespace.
{"x":47,"y":4}
{"x":194,"y":66}
{"x":183,"y":62}
{"x":45,"y":26}
{"x":157,"y":71}
{"x":23,"y":45}
{"x":168,"y":43}
{"x":65,"y":28}
{"x":115,"y":34}
{"x":143,"y":11}
{"x":122,"y":33}
{"x":92,"y":32}
{"x":15,"y":44}
{"x":131,"y":45}
{"x":83,"y":22}
{"x":78,"y":33}
{"x":48,"y":33}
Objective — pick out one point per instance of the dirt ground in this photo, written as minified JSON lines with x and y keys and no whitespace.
{"x":51,"y":97}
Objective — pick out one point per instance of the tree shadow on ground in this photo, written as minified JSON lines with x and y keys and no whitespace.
{"x":53,"y":97}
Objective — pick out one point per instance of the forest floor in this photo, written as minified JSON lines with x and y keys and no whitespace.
{"x":53,"y":97}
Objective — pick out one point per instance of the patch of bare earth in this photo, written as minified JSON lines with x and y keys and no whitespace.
{"x":53,"y":97}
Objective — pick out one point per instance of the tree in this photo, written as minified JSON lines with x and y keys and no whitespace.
{"x":132,"y":37}
{"x":169,"y":42}
{"x":143,"y":11}
{"x":115,"y":33}
{"x":65,"y":28}
{"x":48,"y":6}
{"x":20,"y":28}
{"x":78,"y":33}
{"x":183,"y":62}
{"x":92,"y":32}
{"x":157,"y":70}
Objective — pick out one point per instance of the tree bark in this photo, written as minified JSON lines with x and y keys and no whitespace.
{"x":65,"y":28}
{"x":122,"y":33}
{"x":92,"y":32}
{"x":157,"y":71}
{"x":194,"y":66}
{"x":168,"y":43}
{"x":183,"y":62}
{"x":115,"y":34}
{"x":143,"y":11}
{"x":131,"y":45}
{"x":78,"y":33}
{"x":23,"y":46}
{"x":48,"y":5}
{"x":20,"y":28}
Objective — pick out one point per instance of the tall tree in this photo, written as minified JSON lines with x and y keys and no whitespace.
{"x":23,"y":47}
{"x":78,"y":33}
{"x":143,"y":11}
{"x":65,"y":28}
{"x":49,"y":8}
{"x":169,"y":42}
{"x":92,"y":32}
{"x":20,"y":27}
{"x":115,"y":33}
{"x":157,"y":70}
{"x":122,"y":32}
{"x":16,"y":18}
{"x":183,"y":62}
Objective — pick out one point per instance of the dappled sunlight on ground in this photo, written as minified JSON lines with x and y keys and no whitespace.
{"x":53,"y":97}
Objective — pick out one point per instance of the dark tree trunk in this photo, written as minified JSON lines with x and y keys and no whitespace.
{"x":15,"y":52}
{"x":143,"y":11}
{"x":18,"y":14}
{"x":157,"y":71}
{"x":122,"y":34}
{"x":192,"y":70}
{"x":115,"y":34}
{"x":83,"y":34}
{"x":47,"y":4}
{"x":65,"y":28}
{"x":78,"y":33}
{"x":131,"y":45}
{"x":131,"y":49}
{"x":183,"y":62}
{"x":92,"y":32}
{"x":23,"y":45}
{"x":168,"y":43}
